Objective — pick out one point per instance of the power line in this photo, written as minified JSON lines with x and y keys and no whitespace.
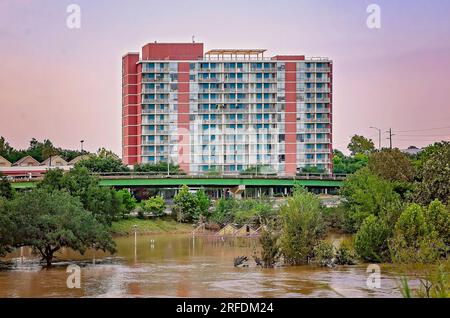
{"x":426,"y":129}
{"x":423,"y":135}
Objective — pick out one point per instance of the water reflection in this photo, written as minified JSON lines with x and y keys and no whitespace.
{"x":183,"y":266}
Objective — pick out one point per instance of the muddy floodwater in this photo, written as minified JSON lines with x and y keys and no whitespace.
{"x":183,"y":266}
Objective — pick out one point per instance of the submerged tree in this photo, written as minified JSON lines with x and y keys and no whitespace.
{"x":48,"y":221}
{"x":302,"y":227}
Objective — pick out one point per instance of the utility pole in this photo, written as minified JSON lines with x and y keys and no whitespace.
{"x":390,"y":137}
{"x":379,"y":136}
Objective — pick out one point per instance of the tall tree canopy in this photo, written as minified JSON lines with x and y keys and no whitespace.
{"x":392,"y":164}
{"x":360,"y":144}
{"x":48,"y":221}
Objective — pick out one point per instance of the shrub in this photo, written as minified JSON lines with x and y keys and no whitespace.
{"x":371,"y":240}
{"x":223,"y":210}
{"x":345,"y":253}
{"x":155,"y":205}
{"x":324,"y":253}
{"x":437,"y":215}
{"x":203,"y":203}
{"x":127,"y":202}
{"x":302,"y":227}
{"x":270,"y":249}
{"x":366,"y":194}
{"x":415,"y":240}
{"x":334,"y":217}
{"x":185,"y":205}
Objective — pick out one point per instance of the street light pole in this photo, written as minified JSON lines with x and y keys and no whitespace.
{"x":168,"y":155}
{"x":81,"y":141}
{"x":379,"y":136}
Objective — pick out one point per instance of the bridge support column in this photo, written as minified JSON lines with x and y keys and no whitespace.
{"x":237,"y":191}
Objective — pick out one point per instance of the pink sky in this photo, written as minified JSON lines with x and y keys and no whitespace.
{"x":65,"y":85}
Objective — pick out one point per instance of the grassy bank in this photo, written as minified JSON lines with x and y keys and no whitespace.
{"x":152,"y":226}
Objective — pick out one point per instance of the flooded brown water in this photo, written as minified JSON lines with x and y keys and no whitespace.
{"x":183,"y":266}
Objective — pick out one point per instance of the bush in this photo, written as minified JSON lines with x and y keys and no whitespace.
{"x":156,"y":206}
{"x":127,"y":202}
{"x":366,"y":194}
{"x":438,"y":216}
{"x":334,"y":217}
{"x":392,"y":164}
{"x":434,"y":174}
{"x":302,"y":227}
{"x":371,"y":240}
{"x":223,"y":211}
{"x":185,"y":205}
{"x":6,"y":189}
{"x":414,"y":240}
{"x":345,"y":253}
{"x":324,"y":253}
{"x":203,"y":203}
{"x":270,"y":249}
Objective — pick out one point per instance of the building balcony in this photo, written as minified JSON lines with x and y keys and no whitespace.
{"x":155,"y":90}
{"x":155,"y":101}
{"x":317,"y":100}
{"x":316,"y":130}
{"x":316,"y":69}
{"x":313,"y":110}
{"x":317,"y":80}
{"x":317,"y":140}
{"x":318,"y":90}
{"x":155,"y":70}
{"x":209,"y":80}
{"x":155,"y":80}
{"x":315,"y":120}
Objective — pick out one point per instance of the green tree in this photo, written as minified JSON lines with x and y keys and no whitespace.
{"x":224,"y":210}
{"x":7,"y":226}
{"x":160,"y":167}
{"x":203,"y":204}
{"x":185,"y":205}
{"x":155,"y":205}
{"x":127,"y":202}
{"x":270,"y":250}
{"x":302,"y":227}
{"x":371,"y":240}
{"x":103,"y":162}
{"x":348,"y":164}
{"x":38,"y":150}
{"x":48,"y":221}
{"x":312,"y":169}
{"x":360,"y":144}
{"x":434,"y":174}
{"x":345,"y":253}
{"x":392,"y":164}
{"x":366,"y":194}
{"x":79,"y":182}
{"x":52,"y":180}
{"x":414,"y":240}
{"x":6,"y":189}
{"x":324,"y":253}
{"x":437,"y":215}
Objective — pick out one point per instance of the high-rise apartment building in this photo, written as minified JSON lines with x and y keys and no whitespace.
{"x":226,"y":110}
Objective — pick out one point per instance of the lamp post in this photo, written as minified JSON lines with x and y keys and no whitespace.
{"x":81,"y":141}
{"x":379,"y":136}
{"x":135,"y":242}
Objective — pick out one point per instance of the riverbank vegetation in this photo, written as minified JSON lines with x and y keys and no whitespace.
{"x":394,"y":206}
{"x":125,"y":227}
